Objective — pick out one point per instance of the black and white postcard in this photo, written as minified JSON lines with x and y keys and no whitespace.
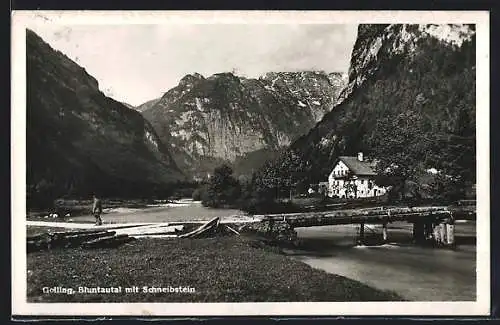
{"x":250,"y":163}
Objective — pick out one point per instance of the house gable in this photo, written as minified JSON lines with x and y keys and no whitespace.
{"x":340,"y":169}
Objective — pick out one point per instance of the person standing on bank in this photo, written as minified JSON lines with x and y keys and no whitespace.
{"x":97,"y":210}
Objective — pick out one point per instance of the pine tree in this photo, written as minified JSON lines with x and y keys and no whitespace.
{"x":399,"y":144}
{"x":223,"y":188}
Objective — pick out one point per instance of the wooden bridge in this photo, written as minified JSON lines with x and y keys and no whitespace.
{"x":429,"y":223}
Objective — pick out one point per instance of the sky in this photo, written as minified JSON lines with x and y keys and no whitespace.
{"x":137,"y":63}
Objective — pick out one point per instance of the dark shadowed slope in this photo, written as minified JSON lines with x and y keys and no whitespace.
{"x":147,"y":105}
{"x":79,"y":140}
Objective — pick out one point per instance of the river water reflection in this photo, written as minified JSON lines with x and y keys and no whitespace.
{"x":415,"y":273}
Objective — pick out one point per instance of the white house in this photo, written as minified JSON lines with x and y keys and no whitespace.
{"x":353,"y":177}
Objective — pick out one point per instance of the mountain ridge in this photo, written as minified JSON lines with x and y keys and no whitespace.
{"x":79,"y":140}
{"x":225,"y":117}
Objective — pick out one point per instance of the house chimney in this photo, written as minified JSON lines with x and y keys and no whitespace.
{"x":360,"y":156}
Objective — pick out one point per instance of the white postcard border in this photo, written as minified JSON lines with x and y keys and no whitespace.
{"x":23,"y":19}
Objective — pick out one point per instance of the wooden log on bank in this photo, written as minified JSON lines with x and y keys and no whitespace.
{"x":232,"y":230}
{"x":203,"y":229}
{"x":36,"y":245}
{"x":77,"y":240}
{"x":38,"y":242}
{"x":64,"y":239}
{"x":114,"y":243}
{"x":76,"y":232}
{"x":74,"y":239}
{"x":73,"y":232}
{"x":107,"y":242}
{"x":37,"y":237}
{"x":161,"y":230}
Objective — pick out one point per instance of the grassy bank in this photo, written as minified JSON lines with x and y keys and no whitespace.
{"x":34,"y":230}
{"x":227,"y":269}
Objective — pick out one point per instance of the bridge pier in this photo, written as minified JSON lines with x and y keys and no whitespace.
{"x":361,"y":237}
{"x":439,"y":232}
{"x":418,"y":232}
{"x":438,"y":240}
{"x":442,"y":233}
{"x":450,"y":233}
{"x":384,"y":232}
{"x":428,"y":230}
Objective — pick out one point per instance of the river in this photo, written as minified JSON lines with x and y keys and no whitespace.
{"x":183,"y":210}
{"x":415,"y":273}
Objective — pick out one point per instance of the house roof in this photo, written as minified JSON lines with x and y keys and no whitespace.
{"x":365,"y":168}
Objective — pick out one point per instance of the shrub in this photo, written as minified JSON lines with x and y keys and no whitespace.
{"x":263,"y":206}
{"x":222,"y":189}
{"x":196,"y":194}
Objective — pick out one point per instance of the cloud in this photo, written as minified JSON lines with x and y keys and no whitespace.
{"x":136,"y":63}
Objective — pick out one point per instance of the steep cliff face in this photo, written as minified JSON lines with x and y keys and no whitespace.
{"x":425,"y":69}
{"x":223,"y":117}
{"x":378,"y":44}
{"x":79,"y":140}
{"x":147,"y":105}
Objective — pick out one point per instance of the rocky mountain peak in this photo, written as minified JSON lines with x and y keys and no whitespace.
{"x":191,"y":79}
{"x":380,"y":44}
{"x":81,"y":81}
{"x":225,"y":116}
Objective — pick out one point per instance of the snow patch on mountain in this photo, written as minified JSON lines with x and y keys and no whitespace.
{"x":451,"y":33}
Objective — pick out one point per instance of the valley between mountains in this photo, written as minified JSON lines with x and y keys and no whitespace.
{"x":282,"y":124}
